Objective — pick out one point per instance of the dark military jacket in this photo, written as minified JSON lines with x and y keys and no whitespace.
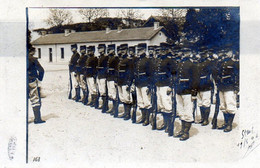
{"x":91,"y":65}
{"x":143,"y":71}
{"x":102,"y":66}
{"x":187,"y":77}
{"x":205,"y":72}
{"x":228,"y":75}
{"x":112,"y":68}
{"x":73,"y":62}
{"x":81,"y":63}
{"x":125,"y":71}
{"x":35,"y":70}
{"x":164,"y":69}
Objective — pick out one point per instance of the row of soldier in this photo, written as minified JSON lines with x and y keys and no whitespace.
{"x":165,"y":84}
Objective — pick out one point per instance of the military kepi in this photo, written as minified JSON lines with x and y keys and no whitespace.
{"x":74,"y":46}
{"x":101,"y":46}
{"x":83,"y":47}
{"x":142,"y":46}
{"x":111,"y":47}
{"x":123,"y":46}
{"x":91,"y":48}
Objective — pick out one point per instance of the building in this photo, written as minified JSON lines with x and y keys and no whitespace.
{"x":56,"y":47}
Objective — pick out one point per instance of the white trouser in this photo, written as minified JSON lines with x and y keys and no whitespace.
{"x":111,"y":89}
{"x":143,"y":99}
{"x":102,"y":86}
{"x":124,"y":94}
{"x":227,"y":102}
{"x":204,"y":98}
{"x":82,"y":83}
{"x":164,"y":101}
{"x":91,"y":85}
{"x":185,"y":107}
{"x":75,"y":83}
{"x":33,"y":94}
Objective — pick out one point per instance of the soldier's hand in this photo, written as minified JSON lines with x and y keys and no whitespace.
{"x":169,"y":91}
{"x":148,"y":91}
{"x":132,"y":89}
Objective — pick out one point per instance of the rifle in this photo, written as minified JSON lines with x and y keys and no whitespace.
{"x":214,"y":120}
{"x":134,"y":105}
{"x":70,"y":86}
{"x":154,"y":109}
{"x":194,"y":109}
{"x":117,"y":102}
{"x":174,"y":110}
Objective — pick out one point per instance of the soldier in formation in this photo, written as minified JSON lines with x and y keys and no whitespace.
{"x":167,"y":83}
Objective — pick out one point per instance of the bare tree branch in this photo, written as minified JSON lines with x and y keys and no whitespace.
{"x":89,"y":15}
{"x":58,"y":17}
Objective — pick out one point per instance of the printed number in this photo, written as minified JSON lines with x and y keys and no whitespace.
{"x":36,"y":159}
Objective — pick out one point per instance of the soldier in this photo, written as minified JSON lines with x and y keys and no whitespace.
{"x":91,"y":64}
{"x":164,"y":86}
{"x":73,"y":72}
{"x":35,"y":75}
{"x":227,"y":83}
{"x":102,"y":75}
{"x":112,"y":78}
{"x":152,"y":57}
{"x":186,"y":89}
{"x":81,"y":74}
{"x":205,"y":85}
{"x":132,"y":58}
{"x":125,"y":78}
{"x":142,"y":82}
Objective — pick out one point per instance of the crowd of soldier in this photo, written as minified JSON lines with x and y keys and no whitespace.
{"x":165,"y":84}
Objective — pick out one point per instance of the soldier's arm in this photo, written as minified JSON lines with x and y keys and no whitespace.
{"x":39,"y":69}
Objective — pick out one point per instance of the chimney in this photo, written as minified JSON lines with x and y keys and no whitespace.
{"x":43,"y":32}
{"x":108,"y":30}
{"x":156,"y":25}
{"x":67,"y":32}
{"x":119,"y":29}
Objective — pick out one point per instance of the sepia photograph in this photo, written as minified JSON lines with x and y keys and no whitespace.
{"x":133,"y":84}
{"x":130,"y":84}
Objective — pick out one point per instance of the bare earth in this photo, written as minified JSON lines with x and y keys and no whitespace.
{"x":74,"y":133}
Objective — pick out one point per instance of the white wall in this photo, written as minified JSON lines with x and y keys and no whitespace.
{"x":56,"y":49}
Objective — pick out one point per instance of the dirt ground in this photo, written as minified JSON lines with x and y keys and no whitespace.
{"x":74,"y":133}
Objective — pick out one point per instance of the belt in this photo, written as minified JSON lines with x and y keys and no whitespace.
{"x":100,"y":67}
{"x":111,"y":69}
{"x":121,"y":71}
{"x":184,"y":80}
{"x":88,"y":67}
{"x":228,"y":76}
{"x":161,"y":73}
{"x":202,"y":77}
{"x":143,"y":73}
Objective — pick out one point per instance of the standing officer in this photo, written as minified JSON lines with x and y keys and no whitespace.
{"x":227,"y":84}
{"x":133,"y":59}
{"x":164,"y":83}
{"x":72,"y":70}
{"x":35,"y":75}
{"x":91,"y":64}
{"x":112,"y":77}
{"x":142,"y":82}
{"x":205,"y":85}
{"x":186,"y":89}
{"x":81,"y":74}
{"x":125,"y":78}
{"x":102,"y":75}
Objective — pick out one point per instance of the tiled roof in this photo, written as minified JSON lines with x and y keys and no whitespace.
{"x":144,"y":33}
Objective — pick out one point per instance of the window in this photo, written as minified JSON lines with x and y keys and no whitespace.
{"x":39,"y":53}
{"x":62,"y":53}
{"x":50,"y":54}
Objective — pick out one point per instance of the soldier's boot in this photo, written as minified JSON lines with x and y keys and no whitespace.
{"x":181,"y":132}
{"x":163,"y":125}
{"x":230,"y":122}
{"x":112,"y":110}
{"x":141,"y":120}
{"x":128,"y":111}
{"x":115,"y":110}
{"x":83,"y":97}
{"x":225,"y":122}
{"x":133,"y":117}
{"x":105,"y":104}
{"x":147,"y":117}
{"x":37,"y":115}
{"x":77,"y":96}
{"x":206,"y":116}
{"x":86,"y":97}
{"x":202,"y":114}
{"x":92,"y":103}
{"x":153,"y":123}
{"x":124,"y":113}
{"x":186,"y":131}
{"x":170,"y":126}
{"x":98,"y":105}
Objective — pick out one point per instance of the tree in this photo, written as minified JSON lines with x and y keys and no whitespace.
{"x":130,"y":16}
{"x":58,"y":17}
{"x":172,"y":12}
{"x":89,"y":15}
